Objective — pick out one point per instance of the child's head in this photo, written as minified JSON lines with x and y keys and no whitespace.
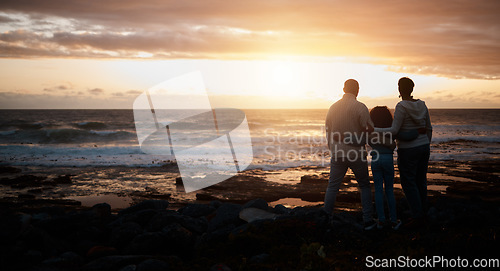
{"x":381,"y":116}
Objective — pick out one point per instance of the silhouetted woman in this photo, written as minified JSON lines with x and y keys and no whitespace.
{"x":413,"y":155}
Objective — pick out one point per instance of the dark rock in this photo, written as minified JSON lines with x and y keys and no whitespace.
{"x":257,"y":203}
{"x":24,"y":181}
{"x":227,"y":213}
{"x":220,"y":267}
{"x":178,"y":181}
{"x":196,"y":225}
{"x":102,"y":210}
{"x":147,"y":204}
{"x":33,"y":256}
{"x":113,"y":262}
{"x":35,"y":191}
{"x":26,"y":196}
{"x":163,"y":219}
{"x":153,"y":265}
{"x":179,"y":238}
{"x":100,"y":251}
{"x":63,"y":179}
{"x":258,"y":259}
{"x":220,"y":234}
{"x":147,"y":243}
{"x":130,"y":267}
{"x":66,"y":260}
{"x":8,"y":169}
{"x":215,"y":203}
{"x":254,"y":214}
{"x":125,"y":233}
{"x":205,"y":197}
{"x":312,"y":179}
{"x":281,"y":209}
{"x":197,"y":210}
{"x":141,"y":217}
{"x":173,"y":239}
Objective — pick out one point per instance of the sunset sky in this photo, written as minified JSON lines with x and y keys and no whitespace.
{"x":252,"y":54}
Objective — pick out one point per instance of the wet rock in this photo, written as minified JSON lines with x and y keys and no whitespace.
{"x":257,"y":203}
{"x":197,"y":210}
{"x":153,"y":265}
{"x":147,"y":204}
{"x":227,"y":213}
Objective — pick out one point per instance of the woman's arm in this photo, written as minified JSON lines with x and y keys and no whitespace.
{"x":428,"y":126}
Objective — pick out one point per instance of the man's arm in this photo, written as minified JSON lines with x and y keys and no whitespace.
{"x":328,"y":128}
{"x":365,"y":120}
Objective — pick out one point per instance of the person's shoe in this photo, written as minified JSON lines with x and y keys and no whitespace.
{"x":395,"y":225}
{"x":380,"y":225}
{"x":370,"y":225}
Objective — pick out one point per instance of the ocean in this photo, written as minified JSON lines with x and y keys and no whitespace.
{"x":280,"y":138}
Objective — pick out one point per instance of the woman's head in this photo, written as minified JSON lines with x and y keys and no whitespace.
{"x":381,"y":117}
{"x":405,"y":86}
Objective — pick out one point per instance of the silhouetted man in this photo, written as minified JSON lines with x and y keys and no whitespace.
{"x":345,"y":121}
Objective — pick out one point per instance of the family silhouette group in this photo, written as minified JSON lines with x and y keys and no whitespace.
{"x":409,"y":130}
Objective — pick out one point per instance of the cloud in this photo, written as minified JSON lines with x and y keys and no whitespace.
{"x":59,"y":88}
{"x":127,"y":93}
{"x":6,"y":19}
{"x":133,"y":92}
{"x":96,"y":91}
{"x":456,"y":39}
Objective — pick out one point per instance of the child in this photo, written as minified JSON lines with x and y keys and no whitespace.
{"x":383,"y":167}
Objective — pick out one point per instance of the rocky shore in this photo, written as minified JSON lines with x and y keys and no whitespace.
{"x":237,"y":224}
{"x":229,"y":236}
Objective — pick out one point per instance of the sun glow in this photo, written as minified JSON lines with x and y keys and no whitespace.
{"x":282,"y":74}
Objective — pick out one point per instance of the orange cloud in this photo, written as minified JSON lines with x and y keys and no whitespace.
{"x":457,"y":39}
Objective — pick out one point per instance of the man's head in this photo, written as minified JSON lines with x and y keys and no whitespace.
{"x":405,"y":85}
{"x":351,"y":86}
